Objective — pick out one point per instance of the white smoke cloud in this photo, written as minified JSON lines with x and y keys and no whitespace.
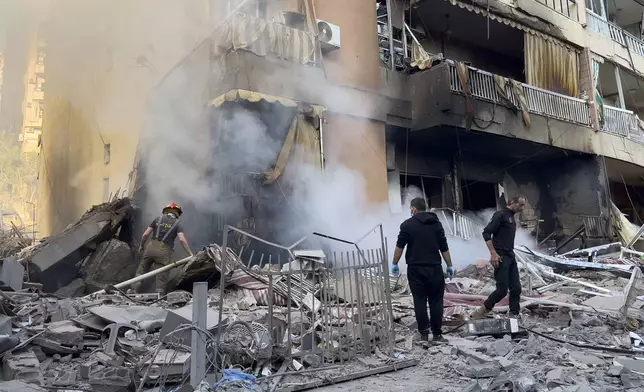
{"x":176,"y":145}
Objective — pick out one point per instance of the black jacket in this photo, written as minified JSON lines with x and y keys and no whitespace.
{"x":501,"y":230}
{"x":424,"y":237}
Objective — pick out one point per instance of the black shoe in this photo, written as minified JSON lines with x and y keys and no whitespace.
{"x":424,"y":337}
{"x":439,"y":339}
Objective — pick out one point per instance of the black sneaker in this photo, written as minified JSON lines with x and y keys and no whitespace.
{"x":439,"y":339}
{"x":424,"y":337}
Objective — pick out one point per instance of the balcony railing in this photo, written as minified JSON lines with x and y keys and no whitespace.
{"x":541,"y":102}
{"x":564,"y":7}
{"x":619,"y":121}
{"x":610,"y":30}
{"x":459,"y":225}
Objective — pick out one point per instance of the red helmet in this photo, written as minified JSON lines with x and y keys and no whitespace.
{"x":173,"y":206}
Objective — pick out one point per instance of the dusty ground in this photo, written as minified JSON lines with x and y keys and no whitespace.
{"x":415,"y":379}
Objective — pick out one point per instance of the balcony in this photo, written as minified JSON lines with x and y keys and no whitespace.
{"x":546,"y":103}
{"x":567,"y":8}
{"x":620,"y":122}
{"x":539,"y":101}
{"x":261,"y":37}
{"x":610,"y":30}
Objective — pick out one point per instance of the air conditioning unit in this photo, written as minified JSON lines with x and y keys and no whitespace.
{"x":329,"y":35}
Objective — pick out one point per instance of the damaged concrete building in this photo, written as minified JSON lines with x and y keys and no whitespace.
{"x":478,"y":102}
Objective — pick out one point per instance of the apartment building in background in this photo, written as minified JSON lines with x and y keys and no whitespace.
{"x":469,"y":101}
{"x":33,"y":107}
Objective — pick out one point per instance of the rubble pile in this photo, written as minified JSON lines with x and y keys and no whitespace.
{"x":12,"y":241}
{"x":274,"y":328}
{"x":67,"y":322}
{"x":580,"y":329}
{"x":96,"y":249}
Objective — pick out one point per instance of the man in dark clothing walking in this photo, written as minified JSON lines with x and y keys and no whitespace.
{"x":425,"y":239}
{"x":499,"y":237}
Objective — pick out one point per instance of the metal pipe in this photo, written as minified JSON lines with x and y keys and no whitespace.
{"x":390,"y":33}
{"x":222,"y":285}
{"x":198,"y":344}
{"x":412,"y":35}
{"x":140,"y":278}
{"x":321,"y":145}
{"x":404,"y":33}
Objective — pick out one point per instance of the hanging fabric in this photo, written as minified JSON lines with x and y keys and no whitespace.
{"x":598,"y":97}
{"x":551,"y":66}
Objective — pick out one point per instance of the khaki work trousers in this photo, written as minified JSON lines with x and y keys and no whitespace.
{"x":156,"y":255}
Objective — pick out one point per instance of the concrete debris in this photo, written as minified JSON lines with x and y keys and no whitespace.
{"x":303,"y":324}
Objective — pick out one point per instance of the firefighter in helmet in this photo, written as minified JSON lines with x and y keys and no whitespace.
{"x":157,"y":245}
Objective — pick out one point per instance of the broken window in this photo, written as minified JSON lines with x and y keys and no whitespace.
{"x":413,"y":186}
{"x":40,"y":84}
{"x":478,"y":195}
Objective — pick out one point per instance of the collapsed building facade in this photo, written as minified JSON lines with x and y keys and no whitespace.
{"x":468,"y":116}
{"x":223,"y":126}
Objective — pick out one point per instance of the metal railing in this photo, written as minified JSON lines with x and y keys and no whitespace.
{"x":458,"y":225}
{"x":335,"y":305}
{"x":564,"y":7}
{"x":610,"y":30}
{"x":619,"y":121}
{"x":540,"y":101}
{"x":595,"y":226}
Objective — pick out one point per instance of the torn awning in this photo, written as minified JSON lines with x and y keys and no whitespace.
{"x":509,"y":22}
{"x":252,"y":96}
{"x":263,"y":37}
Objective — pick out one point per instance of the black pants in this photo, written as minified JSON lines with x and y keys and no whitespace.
{"x":507,"y":278}
{"x":427,"y":285}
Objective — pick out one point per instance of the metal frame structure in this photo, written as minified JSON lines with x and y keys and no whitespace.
{"x":349,"y":303}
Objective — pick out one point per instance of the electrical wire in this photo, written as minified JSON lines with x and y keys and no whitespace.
{"x":581,"y":345}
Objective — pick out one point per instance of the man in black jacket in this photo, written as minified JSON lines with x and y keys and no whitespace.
{"x":499,"y":238}
{"x":424,"y":237}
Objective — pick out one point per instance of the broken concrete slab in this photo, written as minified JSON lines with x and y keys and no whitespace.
{"x":586,"y":359}
{"x":632,"y":380}
{"x":615,"y":370}
{"x":556,"y":377}
{"x":502,"y":347}
{"x":19,"y":386}
{"x":111,"y":379}
{"x":479,"y":357}
{"x":505,"y":363}
{"x":8,"y":342}
{"x":65,"y":378}
{"x":5,"y":325}
{"x":183,"y":315}
{"x":112,"y":262}
{"x":53,"y":261}
{"x":12,"y":273}
{"x":128,"y":314}
{"x":22,"y":366}
{"x":482,"y":370}
{"x":634,"y":365}
{"x":51,"y":347}
{"x":66,"y":311}
{"x":74,"y":289}
{"x":65,"y":333}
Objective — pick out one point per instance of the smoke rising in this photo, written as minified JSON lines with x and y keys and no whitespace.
{"x":112,"y":63}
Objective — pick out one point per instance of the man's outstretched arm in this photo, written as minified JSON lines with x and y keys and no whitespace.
{"x":184,"y":243}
